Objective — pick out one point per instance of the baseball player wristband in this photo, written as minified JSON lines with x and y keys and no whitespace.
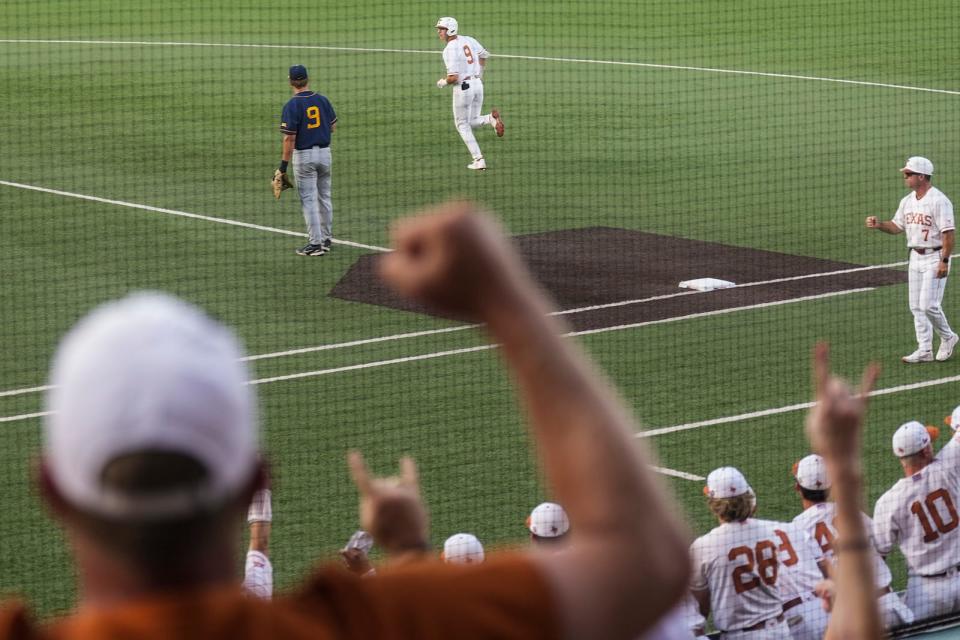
{"x":283,"y":166}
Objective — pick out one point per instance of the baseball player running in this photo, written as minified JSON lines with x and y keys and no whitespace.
{"x":919,"y":513}
{"x":926,"y":215}
{"x":307,"y":123}
{"x":817,"y":520}
{"x":465,"y":60}
{"x":736,"y":566}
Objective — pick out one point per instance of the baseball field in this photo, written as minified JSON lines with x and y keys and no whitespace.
{"x":646,"y":143}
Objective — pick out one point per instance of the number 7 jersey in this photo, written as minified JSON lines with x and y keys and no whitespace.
{"x":738,"y":562}
{"x":919,"y":514}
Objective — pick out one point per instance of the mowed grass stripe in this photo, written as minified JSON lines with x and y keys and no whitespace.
{"x":624,"y":63}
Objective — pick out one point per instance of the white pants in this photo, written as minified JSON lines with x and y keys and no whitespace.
{"x":807,"y":620}
{"x":467,"y":104}
{"x":773,"y":631}
{"x":929,"y":597}
{"x":893,"y":611}
{"x":926,"y":294}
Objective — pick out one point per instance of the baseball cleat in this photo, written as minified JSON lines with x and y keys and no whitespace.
{"x":311,"y":250}
{"x":478,"y":165}
{"x":497,"y":123}
{"x":328,"y":244}
{"x":946,"y":348}
{"x":918,"y":356}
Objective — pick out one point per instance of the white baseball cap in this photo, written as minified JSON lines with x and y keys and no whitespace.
{"x":811,"y":473}
{"x":953,"y":420}
{"x":548,"y":520}
{"x":726,"y":482}
{"x":149,"y":373}
{"x":910,"y":438}
{"x":462,"y":548}
{"x":918,"y":164}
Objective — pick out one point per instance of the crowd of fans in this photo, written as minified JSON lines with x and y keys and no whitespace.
{"x":151,"y":458}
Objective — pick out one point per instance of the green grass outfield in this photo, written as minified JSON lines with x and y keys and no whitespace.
{"x":778,"y":162}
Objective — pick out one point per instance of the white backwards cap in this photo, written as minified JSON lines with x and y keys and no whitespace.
{"x":149,"y":373}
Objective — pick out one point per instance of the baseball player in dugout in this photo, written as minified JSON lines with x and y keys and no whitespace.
{"x":736,"y":565}
{"x":307,"y":124}
{"x":150,"y":458}
{"x":919,"y":514}
{"x":926,"y":215}
{"x":818,"y":520}
{"x":466,"y":61}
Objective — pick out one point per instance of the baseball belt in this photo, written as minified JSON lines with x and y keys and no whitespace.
{"x":925,"y":251}
{"x":763,"y":624}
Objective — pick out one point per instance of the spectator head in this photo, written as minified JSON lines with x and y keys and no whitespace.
{"x":462,"y":548}
{"x":548,"y":524}
{"x":729,"y":496}
{"x":150,"y":448}
{"x":913,"y":445}
{"x":811,"y":478}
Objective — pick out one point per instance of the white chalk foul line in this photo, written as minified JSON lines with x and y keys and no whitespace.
{"x":678,"y":474}
{"x":452,"y":352}
{"x":430,"y":332}
{"x":175,"y":212}
{"x":649,"y":433}
{"x":623,"y":63}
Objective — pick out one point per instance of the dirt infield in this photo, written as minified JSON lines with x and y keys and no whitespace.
{"x":602,"y":265}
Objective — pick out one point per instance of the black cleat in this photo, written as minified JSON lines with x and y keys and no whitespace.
{"x":311,"y":250}
{"x":328,"y":244}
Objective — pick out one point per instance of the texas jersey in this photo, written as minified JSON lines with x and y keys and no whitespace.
{"x":925,"y":220}
{"x":462,"y":57}
{"x":919,"y":514}
{"x":738,"y":562}
{"x":819,"y":523}
{"x":799,"y":558}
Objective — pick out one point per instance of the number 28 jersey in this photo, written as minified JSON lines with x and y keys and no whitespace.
{"x":919,"y":514}
{"x":738,"y":562}
{"x":462,"y":57}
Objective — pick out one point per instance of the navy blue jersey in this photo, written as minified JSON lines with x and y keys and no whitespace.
{"x":309,"y":116}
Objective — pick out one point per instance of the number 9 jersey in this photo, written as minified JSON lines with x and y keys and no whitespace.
{"x":738,"y":562}
{"x":462,"y":57}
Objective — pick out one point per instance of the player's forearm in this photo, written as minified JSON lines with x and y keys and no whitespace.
{"x":948,"y":243}
{"x":888,"y":227}
{"x":260,"y":537}
{"x":287,"y":151}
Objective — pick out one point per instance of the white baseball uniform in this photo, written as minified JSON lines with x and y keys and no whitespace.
{"x":818,"y":522}
{"x":924,"y":222}
{"x":462,"y":57}
{"x":258,"y":575}
{"x":920,"y":515}
{"x":738,"y":564}
{"x":799,"y":574}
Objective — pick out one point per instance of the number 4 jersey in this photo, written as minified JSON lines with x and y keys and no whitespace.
{"x":738,"y":563}
{"x":919,"y":514}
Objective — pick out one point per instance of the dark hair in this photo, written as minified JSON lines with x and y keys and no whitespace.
{"x":819,"y":495}
{"x":736,"y":509}
{"x":164,"y":548}
{"x":299,"y":84}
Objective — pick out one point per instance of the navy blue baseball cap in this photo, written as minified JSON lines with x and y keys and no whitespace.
{"x":298,"y":72}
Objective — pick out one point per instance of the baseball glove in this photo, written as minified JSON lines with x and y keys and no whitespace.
{"x":280,"y":183}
